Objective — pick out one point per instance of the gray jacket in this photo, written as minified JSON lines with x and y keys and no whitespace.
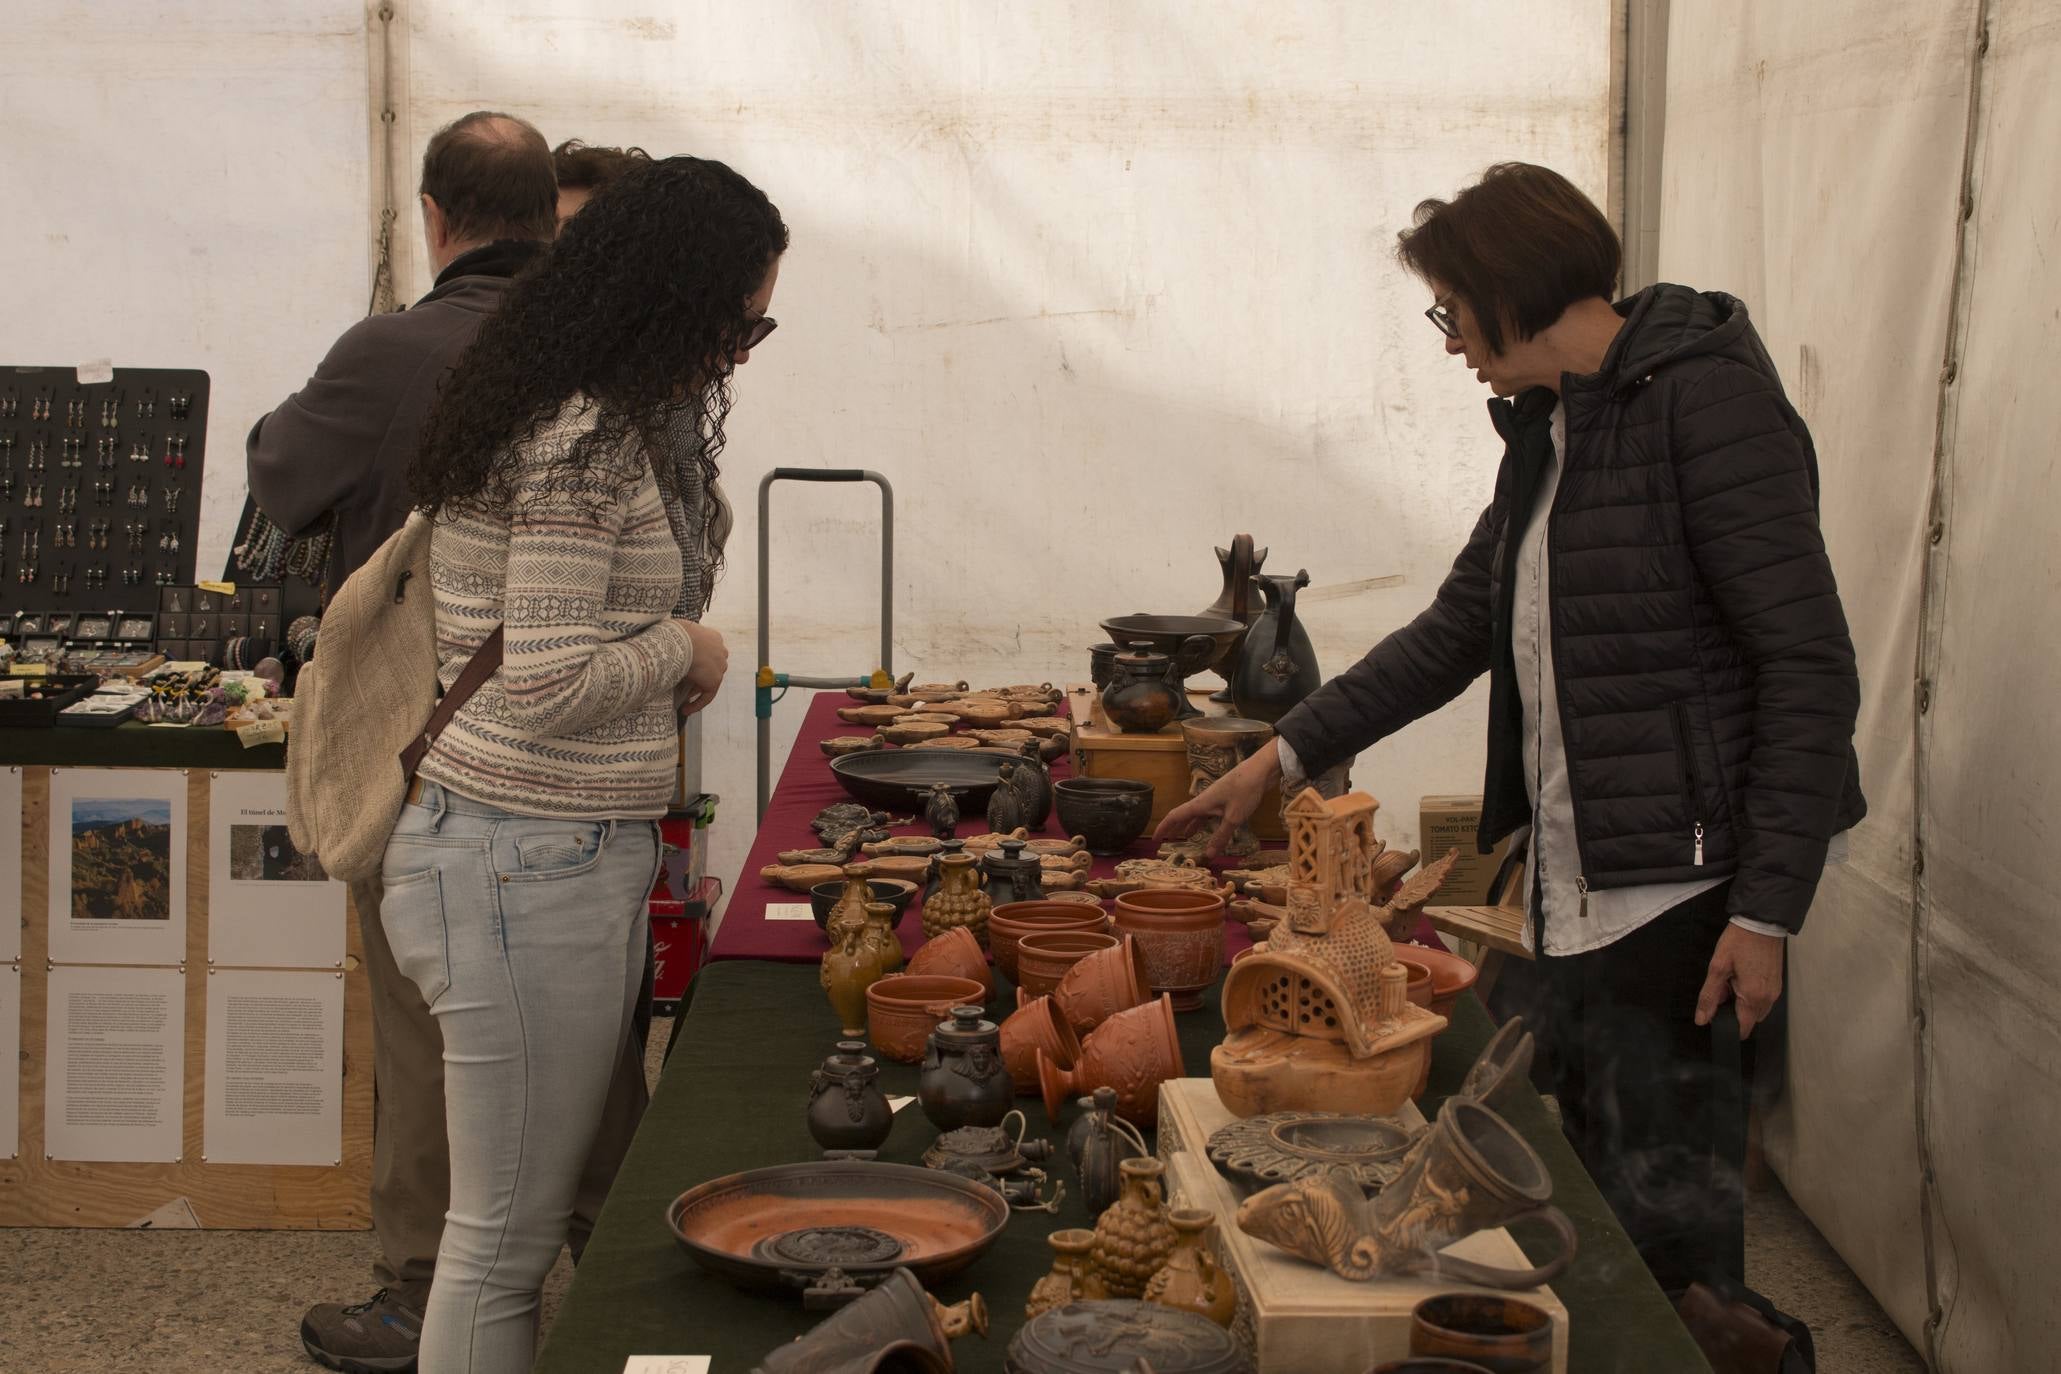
{"x":343,"y":442}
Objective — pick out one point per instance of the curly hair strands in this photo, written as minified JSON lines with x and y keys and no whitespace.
{"x":1519,"y":247}
{"x":639,"y":308}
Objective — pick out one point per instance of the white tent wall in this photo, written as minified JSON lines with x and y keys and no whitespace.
{"x":186,"y":187}
{"x":1814,"y":165}
{"x":1095,"y":286}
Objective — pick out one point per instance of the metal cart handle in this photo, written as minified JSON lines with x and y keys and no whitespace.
{"x":767,"y":677}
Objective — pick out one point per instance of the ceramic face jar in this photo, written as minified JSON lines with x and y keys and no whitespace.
{"x":964,"y":1082}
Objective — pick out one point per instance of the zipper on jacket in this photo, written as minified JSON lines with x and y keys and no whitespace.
{"x":1581,"y":863}
{"x":1692,"y":782}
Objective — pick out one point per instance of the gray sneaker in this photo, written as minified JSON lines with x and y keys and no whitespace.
{"x":377,"y":1336}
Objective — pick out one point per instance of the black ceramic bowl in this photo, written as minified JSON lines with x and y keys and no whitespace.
{"x":894,"y":891}
{"x":1102,"y":663}
{"x":1109,"y":813}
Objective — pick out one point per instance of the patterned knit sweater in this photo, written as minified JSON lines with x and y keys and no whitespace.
{"x":579,"y":720}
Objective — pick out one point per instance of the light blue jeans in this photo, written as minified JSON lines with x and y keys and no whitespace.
{"x":526,"y":938}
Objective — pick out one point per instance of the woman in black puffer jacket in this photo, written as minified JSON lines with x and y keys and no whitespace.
{"x":1672,"y":688}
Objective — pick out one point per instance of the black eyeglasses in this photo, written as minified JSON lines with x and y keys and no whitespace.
{"x":1442,"y":316}
{"x":755,"y":331}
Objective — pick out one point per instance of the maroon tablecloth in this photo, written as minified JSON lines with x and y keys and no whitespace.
{"x":805,"y":786}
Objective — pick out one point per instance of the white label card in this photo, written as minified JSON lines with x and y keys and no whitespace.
{"x":666,"y":1364}
{"x":789,"y":911}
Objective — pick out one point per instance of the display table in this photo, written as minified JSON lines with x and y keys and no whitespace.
{"x":733,"y":1096}
{"x":134,"y":746}
{"x":805,"y":786}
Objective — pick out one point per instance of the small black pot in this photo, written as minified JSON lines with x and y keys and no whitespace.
{"x":1109,"y":813}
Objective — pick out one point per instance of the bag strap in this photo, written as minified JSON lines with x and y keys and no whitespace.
{"x":474,"y":676}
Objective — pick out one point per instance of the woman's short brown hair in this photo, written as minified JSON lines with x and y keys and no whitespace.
{"x":1519,"y":246}
{"x":586,"y":167}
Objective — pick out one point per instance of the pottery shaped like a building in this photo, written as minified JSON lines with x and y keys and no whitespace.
{"x":1319,"y":1015}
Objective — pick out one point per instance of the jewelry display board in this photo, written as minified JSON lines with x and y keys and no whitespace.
{"x":100,"y":479}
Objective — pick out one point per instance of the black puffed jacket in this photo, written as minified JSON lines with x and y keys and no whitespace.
{"x":1706,"y":680}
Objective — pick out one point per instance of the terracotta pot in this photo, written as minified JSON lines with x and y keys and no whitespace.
{"x":1501,"y":1335}
{"x":955,"y":954}
{"x":1073,"y":1277}
{"x":904,"y":1008}
{"x":1133,"y":1052}
{"x":1044,"y":956}
{"x":1036,"y":1025}
{"x":1421,"y":989}
{"x":1077,"y":899}
{"x":1012,"y":921}
{"x":1103,"y":984}
{"x":1181,"y":935}
{"x":1450,"y":974}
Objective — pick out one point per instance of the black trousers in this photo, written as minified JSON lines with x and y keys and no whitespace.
{"x":1654,"y":1104}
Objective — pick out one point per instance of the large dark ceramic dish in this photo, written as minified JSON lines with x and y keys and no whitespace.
{"x":1260,"y":1151}
{"x":1175,"y":636}
{"x":1108,"y":813}
{"x":789,"y":1225}
{"x":895,"y":779}
{"x":894,"y":891}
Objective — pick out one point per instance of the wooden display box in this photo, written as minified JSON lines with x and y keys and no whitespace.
{"x":1100,"y":750}
{"x":1294,"y":1315}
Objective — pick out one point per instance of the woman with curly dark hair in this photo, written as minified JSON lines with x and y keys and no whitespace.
{"x":516,"y":879}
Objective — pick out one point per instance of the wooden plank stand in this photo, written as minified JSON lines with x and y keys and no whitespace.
{"x":1294,"y":1315}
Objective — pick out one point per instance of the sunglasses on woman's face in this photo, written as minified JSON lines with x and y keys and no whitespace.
{"x":755,"y":331}
{"x":1442,"y":316}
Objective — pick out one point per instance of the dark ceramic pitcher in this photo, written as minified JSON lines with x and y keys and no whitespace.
{"x":1277,"y":665}
{"x":1241,"y":563}
{"x":964,"y":1082}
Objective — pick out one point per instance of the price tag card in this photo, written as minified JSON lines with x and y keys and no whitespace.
{"x":789,"y":911}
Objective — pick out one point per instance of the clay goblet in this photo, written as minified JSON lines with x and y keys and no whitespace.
{"x":955,"y":953}
{"x":902,"y":1010}
{"x":1043,"y":957}
{"x":1036,"y":1025}
{"x":1132,"y":1052}
{"x":1012,"y":921}
{"x":1501,"y":1335}
{"x":1103,"y":984}
{"x":1181,"y":934}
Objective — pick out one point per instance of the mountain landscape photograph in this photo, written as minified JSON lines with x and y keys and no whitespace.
{"x":121,"y":859}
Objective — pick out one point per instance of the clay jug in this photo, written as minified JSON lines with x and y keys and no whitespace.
{"x":1034,"y":785}
{"x":1139,"y":699}
{"x":1241,"y":563}
{"x":1133,"y":1238}
{"x":864,"y":955}
{"x":1072,"y":1278}
{"x":964,"y":1082}
{"x":1005,"y":803}
{"x":934,"y":876}
{"x":847,"y":1110}
{"x":849,"y":911}
{"x":959,"y":900}
{"x":1277,"y":666}
{"x":1191,"y":1280}
{"x":1098,"y":1144}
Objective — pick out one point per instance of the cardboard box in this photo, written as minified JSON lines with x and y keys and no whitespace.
{"x":1451,"y":823}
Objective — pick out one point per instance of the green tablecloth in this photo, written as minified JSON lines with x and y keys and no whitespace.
{"x":133,"y":746}
{"x":733,"y":1097}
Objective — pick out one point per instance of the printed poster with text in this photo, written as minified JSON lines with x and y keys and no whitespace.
{"x":269,"y":905}
{"x":117,"y":866}
{"x":272,"y":1088}
{"x":10,"y":865}
{"x":114,"y":1065}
